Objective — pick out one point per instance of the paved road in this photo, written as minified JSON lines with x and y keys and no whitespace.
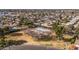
{"x":28,"y":47}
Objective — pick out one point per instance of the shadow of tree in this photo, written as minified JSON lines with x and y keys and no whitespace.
{"x":6,"y":43}
{"x":15,"y":42}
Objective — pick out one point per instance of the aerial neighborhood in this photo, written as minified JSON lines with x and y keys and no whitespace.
{"x":48,"y":28}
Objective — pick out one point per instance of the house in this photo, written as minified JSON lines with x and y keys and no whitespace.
{"x":40,"y":33}
{"x":73,"y":21}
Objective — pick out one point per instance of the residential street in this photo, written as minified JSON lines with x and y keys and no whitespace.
{"x":28,"y":47}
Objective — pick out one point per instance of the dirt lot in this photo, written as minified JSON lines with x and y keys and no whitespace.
{"x":23,"y":36}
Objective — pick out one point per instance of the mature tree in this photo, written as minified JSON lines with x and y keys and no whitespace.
{"x":59,"y":29}
{"x":25,"y":21}
{"x":2,"y":37}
